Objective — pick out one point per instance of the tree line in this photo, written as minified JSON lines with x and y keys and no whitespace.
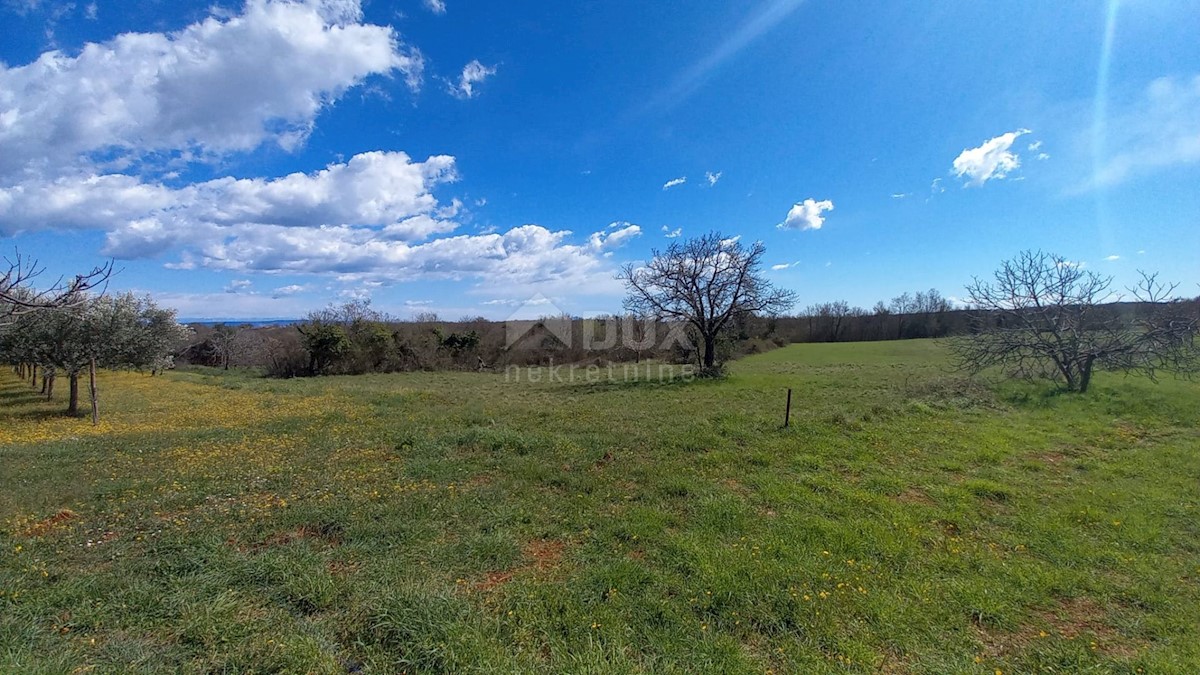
{"x":706,"y":300}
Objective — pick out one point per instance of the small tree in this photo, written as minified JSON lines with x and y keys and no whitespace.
{"x":226,"y":342}
{"x":1044,"y":316}
{"x":710,"y":282}
{"x":325,"y":343}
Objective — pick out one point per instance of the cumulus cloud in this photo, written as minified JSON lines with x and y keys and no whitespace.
{"x":84,"y":139}
{"x":285,"y":291}
{"x":219,"y":85}
{"x":806,"y":215}
{"x":472,"y":74}
{"x":712,"y":178}
{"x":370,"y":217}
{"x":385,"y":190}
{"x":671,"y":234}
{"x":238,"y":285}
{"x":616,"y":235}
{"x":674,"y":182}
{"x":435,"y":6}
{"x":991,"y":161}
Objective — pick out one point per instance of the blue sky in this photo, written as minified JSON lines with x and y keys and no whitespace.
{"x":265,"y":159}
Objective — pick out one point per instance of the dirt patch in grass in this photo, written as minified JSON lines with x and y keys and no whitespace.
{"x":327,"y":534}
{"x":44,"y":526}
{"x":544,"y":554}
{"x":1050,"y":457}
{"x":915,"y":495}
{"x":479,"y":480}
{"x":541,"y":556}
{"x":1083,"y":617}
{"x":1070,"y":619}
{"x":341,"y":568}
{"x":493,"y":580}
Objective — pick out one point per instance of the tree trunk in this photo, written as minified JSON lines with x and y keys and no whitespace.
{"x":50,"y":385}
{"x":92,"y":391}
{"x":1085,"y":375}
{"x":1068,"y":371}
{"x":33,"y":376}
{"x":710,"y":351}
{"x":73,"y":398}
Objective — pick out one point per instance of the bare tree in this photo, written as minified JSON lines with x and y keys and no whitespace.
{"x":1044,"y":316}
{"x":229,"y":342}
{"x":709,"y":282}
{"x":17,"y":296}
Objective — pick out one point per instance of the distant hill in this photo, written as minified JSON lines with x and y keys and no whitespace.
{"x":257,"y":323}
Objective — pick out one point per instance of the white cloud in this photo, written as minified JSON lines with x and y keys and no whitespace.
{"x":1112,"y":258}
{"x":1041,"y":156}
{"x":216,"y":86}
{"x":936,"y":186}
{"x":285,"y":291}
{"x":615,"y":235}
{"x":992,"y":160}
{"x":370,"y":218}
{"x":1035,"y":146}
{"x":382,"y":190}
{"x":901,"y":195}
{"x":435,"y":6}
{"x":238,"y":285}
{"x":712,"y":178}
{"x":472,"y":74}
{"x":671,"y":234}
{"x":806,"y":215}
{"x":674,"y":182}
{"x":149,"y":103}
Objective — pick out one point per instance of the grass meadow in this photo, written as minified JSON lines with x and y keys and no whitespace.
{"x":908,"y":521}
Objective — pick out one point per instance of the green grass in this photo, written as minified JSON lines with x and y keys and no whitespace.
{"x":908,"y":521}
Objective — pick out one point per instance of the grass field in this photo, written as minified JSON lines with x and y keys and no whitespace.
{"x":908,"y":521}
